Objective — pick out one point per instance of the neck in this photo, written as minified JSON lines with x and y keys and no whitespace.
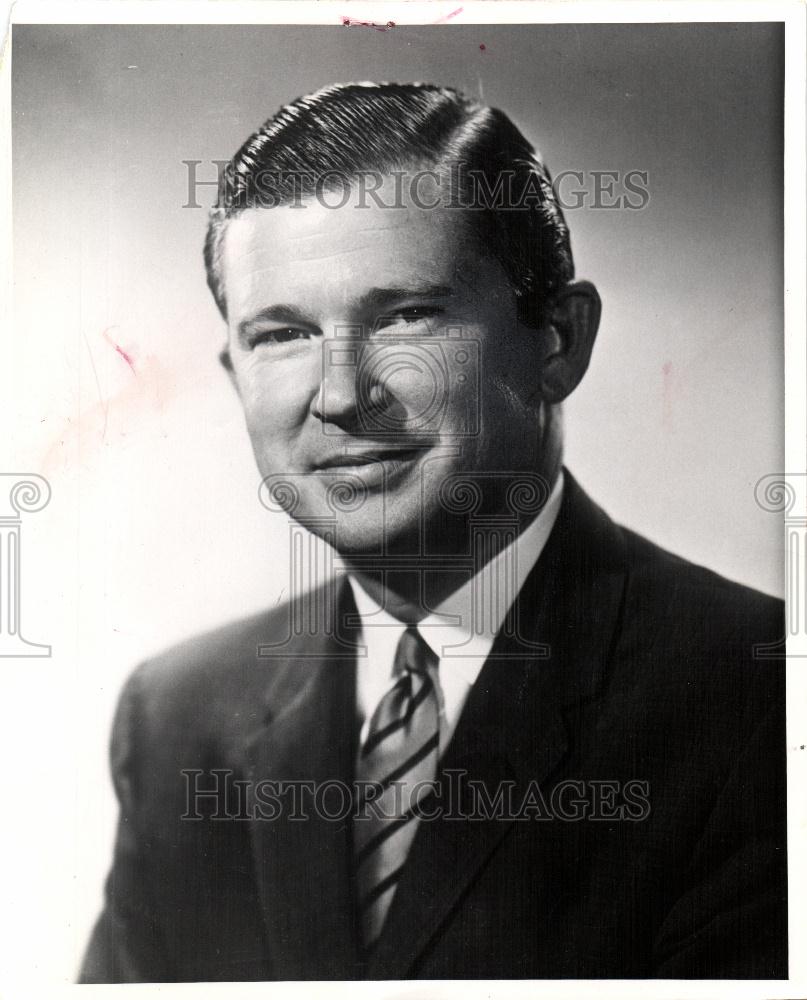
{"x":411,"y":594}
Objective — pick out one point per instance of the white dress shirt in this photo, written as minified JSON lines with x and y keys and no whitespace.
{"x":460,"y":639}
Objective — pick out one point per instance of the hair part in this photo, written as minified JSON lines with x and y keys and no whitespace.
{"x":348,"y":129}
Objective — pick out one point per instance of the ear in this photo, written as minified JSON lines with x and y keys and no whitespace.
{"x":572,"y":327}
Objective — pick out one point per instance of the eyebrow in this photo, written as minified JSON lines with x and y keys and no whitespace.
{"x":374,"y":298}
{"x":380,"y":297}
{"x":277,"y":314}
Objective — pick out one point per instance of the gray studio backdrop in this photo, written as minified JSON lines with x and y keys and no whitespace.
{"x":157,"y":530}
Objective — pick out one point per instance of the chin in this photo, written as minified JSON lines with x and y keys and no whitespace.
{"x":363,"y":535}
{"x":352,"y":545}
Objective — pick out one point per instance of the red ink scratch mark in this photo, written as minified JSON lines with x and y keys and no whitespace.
{"x":447,"y":17}
{"x":139,"y":402}
{"x":350,"y":23}
{"x":126,"y":357}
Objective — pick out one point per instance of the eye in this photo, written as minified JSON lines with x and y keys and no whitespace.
{"x":283,"y":335}
{"x":407,"y":316}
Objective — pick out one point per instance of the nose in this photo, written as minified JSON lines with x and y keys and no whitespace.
{"x":344,"y":398}
{"x":336,"y":401}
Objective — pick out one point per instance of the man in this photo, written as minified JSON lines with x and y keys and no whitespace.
{"x":513,"y":739}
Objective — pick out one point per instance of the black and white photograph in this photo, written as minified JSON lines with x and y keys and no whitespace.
{"x":404,"y":511}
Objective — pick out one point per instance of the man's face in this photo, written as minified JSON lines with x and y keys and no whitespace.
{"x":377,"y":348}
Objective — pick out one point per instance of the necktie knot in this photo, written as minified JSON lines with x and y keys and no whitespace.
{"x":414,"y":654}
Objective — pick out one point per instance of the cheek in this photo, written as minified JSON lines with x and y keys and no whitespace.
{"x":509,"y":406}
{"x":418,"y":385}
{"x":512,"y":373}
{"x":274,"y":401}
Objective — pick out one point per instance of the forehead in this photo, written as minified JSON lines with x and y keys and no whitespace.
{"x":330,"y":255}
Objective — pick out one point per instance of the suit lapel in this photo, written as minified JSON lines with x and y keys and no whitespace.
{"x":302,"y":865}
{"x":512,"y":728}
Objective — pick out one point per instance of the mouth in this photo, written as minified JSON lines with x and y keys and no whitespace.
{"x":373,"y":467}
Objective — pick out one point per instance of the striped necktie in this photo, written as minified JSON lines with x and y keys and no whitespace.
{"x":398,"y":761}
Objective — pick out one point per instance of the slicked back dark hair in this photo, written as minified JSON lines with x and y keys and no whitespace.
{"x":348,"y":129}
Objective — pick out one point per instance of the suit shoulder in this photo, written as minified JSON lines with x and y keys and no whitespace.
{"x":213,"y":674}
{"x":685,"y":587}
{"x":216,"y":650}
{"x":699,"y":636}
{"x":662,"y":586}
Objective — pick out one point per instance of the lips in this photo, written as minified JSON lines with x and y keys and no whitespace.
{"x":376,"y":470}
{"x":356,"y":460}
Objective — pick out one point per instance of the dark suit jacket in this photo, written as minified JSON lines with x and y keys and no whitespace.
{"x":654,"y":671}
